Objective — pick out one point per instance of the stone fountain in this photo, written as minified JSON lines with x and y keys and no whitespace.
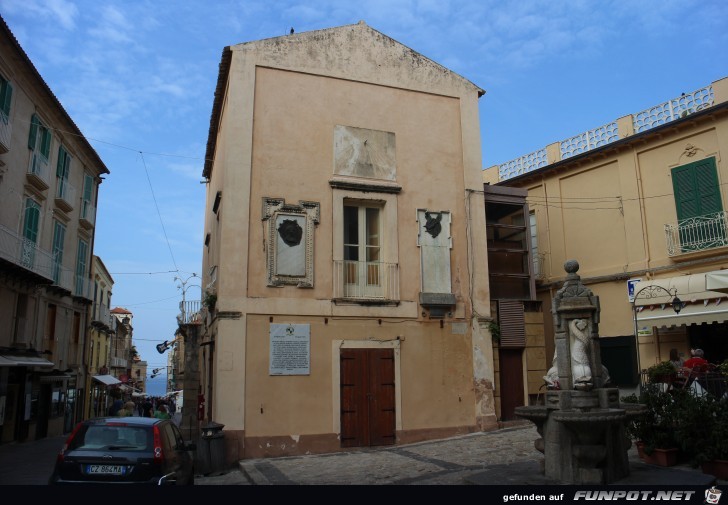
{"x":582,"y":423}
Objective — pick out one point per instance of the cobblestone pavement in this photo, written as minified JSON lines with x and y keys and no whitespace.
{"x":505,"y":456}
{"x":435,"y":462}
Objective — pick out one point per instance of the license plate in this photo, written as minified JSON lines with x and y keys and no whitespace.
{"x":105,"y":469}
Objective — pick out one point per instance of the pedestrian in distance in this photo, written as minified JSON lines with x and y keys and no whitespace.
{"x":162,"y":413}
{"x":698,"y":360}
{"x":147,"y":408}
{"x":128,"y":410}
{"x":115,"y":407}
{"x":675,"y":359}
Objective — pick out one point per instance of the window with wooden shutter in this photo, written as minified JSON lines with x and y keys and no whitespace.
{"x":6,"y":94}
{"x":39,"y":139}
{"x":512,"y":324}
{"x":697,"y":192}
{"x":59,"y":235}
{"x":32,"y":220}
{"x":81,"y":260}
{"x":698,"y":205}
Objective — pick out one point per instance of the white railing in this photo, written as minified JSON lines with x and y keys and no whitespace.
{"x":83,"y":287}
{"x":23,"y":252}
{"x":190,"y":312}
{"x":589,"y":140}
{"x":523,"y":164}
{"x":697,"y":234}
{"x":62,"y":276}
{"x":679,"y":107}
{"x":38,"y":167}
{"x":65,"y":191}
{"x":362,"y":280}
{"x":118,"y":362}
{"x":673,"y":109}
{"x":5,"y":131}
{"x":102,"y":314}
{"x":88,"y":212}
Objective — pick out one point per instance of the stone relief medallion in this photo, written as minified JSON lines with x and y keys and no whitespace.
{"x":291,"y":232}
{"x":432,"y":225}
{"x":289,"y":241}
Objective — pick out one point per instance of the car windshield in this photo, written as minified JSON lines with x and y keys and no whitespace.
{"x":98,"y":436}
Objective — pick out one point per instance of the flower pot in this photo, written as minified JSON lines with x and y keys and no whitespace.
{"x":717,"y":468}
{"x":660,"y":457}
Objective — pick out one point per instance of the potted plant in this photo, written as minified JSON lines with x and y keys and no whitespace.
{"x":713,"y":456}
{"x":653,"y":430}
{"x":209,"y":300}
{"x":661,"y":372}
{"x":723,"y":368}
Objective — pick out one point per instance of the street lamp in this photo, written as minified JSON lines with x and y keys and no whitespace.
{"x":648,"y":292}
{"x":183,"y":286}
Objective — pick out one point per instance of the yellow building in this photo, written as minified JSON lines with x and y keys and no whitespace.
{"x":49,"y":180}
{"x":345,"y":258}
{"x":638,"y":203}
{"x":98,"y":343}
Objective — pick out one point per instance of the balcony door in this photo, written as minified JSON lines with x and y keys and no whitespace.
{"x":362,"y":252}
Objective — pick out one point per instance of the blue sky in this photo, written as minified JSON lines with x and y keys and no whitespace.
{"x":138,"y":78}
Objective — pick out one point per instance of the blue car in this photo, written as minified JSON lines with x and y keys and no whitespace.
{"x":125,"y":450}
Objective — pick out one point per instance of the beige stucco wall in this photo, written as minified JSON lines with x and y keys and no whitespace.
{"x":608,"y":211}
{"x":276,"y":139}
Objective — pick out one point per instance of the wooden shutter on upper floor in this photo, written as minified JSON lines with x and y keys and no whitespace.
{"x":696,"y":189}
{"x":33,"y":131}
{"x":512,"y":324}
{"x":6,"y":94}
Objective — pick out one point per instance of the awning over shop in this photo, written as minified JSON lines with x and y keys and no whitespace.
{"x":18,"y":360}
{"x":109,"y":380}
{"x":696,"y":313}
{"x":717,"y":281}
{"x":703,"y":302}
{"x":125,"y":387}
{"x":689,"y":288}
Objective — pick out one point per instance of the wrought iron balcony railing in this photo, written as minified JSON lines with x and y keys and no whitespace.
{"x":65,"y":194}
{"x":88,"y":214}
{"x":697,"y":234}
{"x":25,"y":253}
{"x":5,"y":131}
{"x":38,"y":173}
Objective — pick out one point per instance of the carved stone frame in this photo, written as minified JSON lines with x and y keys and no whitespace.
{"x":273,"y":208}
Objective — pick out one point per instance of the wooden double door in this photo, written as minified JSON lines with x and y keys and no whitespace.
{"x":368,"y":416}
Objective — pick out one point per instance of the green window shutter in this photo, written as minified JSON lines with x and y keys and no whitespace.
{"x":32,"y":219}
{"x":81,"y":259}
{"x":6,"y":94}
{"x":59,"y":236}
{"x":61,"y":166}
{"x":697,"y":192}
{"x":34,"y":123}
{"x":45,"y":141}
{"x":88,"y":186}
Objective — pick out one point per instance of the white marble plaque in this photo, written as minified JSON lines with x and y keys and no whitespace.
{"x":435,"y":242}
{"x":290,"y":253}
{"x":290,"y":349}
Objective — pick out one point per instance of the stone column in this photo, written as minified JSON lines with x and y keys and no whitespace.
{"x":190,"y":426}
